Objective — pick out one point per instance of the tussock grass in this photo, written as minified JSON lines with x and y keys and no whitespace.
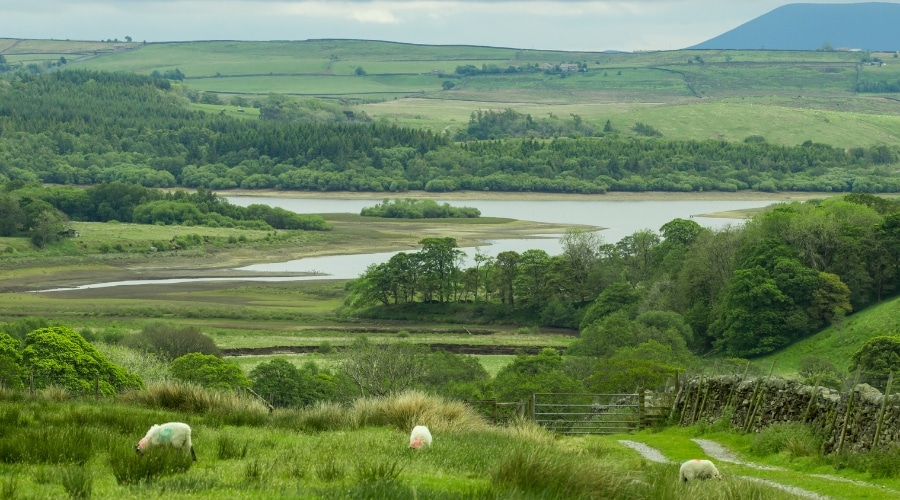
{"x":230,"y":407}
{"x":410,"y":408}
{"x":550,"y":475}
{"x":77,"y":481}
{"x":129,"y":467}
{"x":401,"y":411}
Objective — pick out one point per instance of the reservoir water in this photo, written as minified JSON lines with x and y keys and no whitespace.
{"x":617,"y":218}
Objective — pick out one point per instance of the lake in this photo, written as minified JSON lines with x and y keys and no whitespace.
{"x":618,"y":218}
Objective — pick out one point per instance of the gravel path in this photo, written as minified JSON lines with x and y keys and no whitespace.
{"x":648,"y":452}
{"x":722,"y":454}
{"x":719,"y":452}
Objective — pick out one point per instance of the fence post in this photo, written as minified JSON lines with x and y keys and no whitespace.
{"x":887,"y":392}
{"x":640,"y":410}
{"x":697,"y":401}
{"x":756,"y":404}
{"x":847,"y":413}
{"x":735,"y":386}
{"x":812,"y":397}
{"x":533,"y":404}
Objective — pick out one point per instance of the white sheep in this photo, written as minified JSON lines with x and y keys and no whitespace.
{"x":698,"y":469}
{"x":420,"y":437}
{"x":175,"y":434}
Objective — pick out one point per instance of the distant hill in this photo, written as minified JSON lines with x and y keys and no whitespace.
{"x":871,"y":26}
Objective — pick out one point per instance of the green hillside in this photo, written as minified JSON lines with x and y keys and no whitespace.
{"x":838,"y":342}
{"x":787,"y":97}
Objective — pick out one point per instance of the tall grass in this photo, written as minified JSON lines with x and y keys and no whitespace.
{"x":401,"y":411}
{"x":227,"y":407}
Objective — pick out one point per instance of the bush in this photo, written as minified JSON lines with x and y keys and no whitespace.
{"x":796,"y":439}
{"x":169,"y":342}
{"x":60,"y":356}
{"x":208,"y":371}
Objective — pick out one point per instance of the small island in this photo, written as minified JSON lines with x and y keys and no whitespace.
{"x":409,"y":208}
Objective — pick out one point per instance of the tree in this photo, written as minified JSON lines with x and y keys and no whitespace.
{"x":60,"y":356}
{"x":209,"y":371}
{"x":360,"y":71}
{"x":646,"y":366}
{"x":753,"y":322}
{"x":11,"y":371}
{"x":878,"y":357}
{"x":286,"y":386}
{"x":527,"y":375}
{"x":440,"y":261}
{"x":46,"y":224}
{"x":13,"y":219}
{"x":382,"y":369}
{"x":457,"y":376}
{"x":171,"y":341}
{"x":447,"y":85}
{"x":127,"y":38}
{"x":581,"y":248}
{"x":618,"y":297}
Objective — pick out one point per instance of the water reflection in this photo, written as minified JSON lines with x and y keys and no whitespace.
{"x":618,"y":218}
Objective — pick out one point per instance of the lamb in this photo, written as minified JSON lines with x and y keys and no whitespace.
{"x":175,"y":434}
{"x":420,"y":437}
{"x":698,"y":469}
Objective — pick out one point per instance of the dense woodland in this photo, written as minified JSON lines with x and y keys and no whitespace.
{"x":83,"y":127}
{"x":744,"y":291}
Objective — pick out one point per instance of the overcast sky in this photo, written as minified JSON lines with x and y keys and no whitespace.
{"x":591,"y":25}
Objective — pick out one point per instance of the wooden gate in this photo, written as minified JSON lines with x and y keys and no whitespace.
{"x":570,"y":413}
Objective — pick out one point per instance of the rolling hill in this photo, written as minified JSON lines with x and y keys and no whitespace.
{"x":810,"y":26}
{"x":787,"y":97}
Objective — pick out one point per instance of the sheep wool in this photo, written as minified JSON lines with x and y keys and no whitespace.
{"x":420,"y":437}
{"x":175,"y":434}
{"x":698,"y":469}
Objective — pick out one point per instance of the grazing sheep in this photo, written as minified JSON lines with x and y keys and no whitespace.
{"x":420,"y":437}
{"x":175,"y":434}
{"x":698,"y":469}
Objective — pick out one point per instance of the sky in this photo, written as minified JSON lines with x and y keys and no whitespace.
{"x":571,"y":25}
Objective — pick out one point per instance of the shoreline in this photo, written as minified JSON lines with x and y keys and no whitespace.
{"x":533,"y":196}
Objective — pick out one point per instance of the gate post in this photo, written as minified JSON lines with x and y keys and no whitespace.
{"x":533,"y":401}
{"x":640,"y":408}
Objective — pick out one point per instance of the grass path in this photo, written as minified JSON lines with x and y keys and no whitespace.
{"x":803,"y":485}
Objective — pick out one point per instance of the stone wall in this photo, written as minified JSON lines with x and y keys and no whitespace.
{"x":849,"y":421}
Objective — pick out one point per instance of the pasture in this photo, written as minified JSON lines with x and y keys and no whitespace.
{"x":787,"y":97}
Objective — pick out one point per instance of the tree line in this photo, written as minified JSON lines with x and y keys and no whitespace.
{"x":87,"y":127}
{"x":43,"y":213}
{"x":742,"y":291}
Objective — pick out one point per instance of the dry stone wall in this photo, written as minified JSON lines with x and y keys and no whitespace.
{"x":857,"y":420}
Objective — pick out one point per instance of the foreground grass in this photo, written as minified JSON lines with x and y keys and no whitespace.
{"x":54,"y":448}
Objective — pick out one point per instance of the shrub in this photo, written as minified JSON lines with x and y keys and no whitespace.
{"x":170,"y":342}
{"x":208,"y":371}
{"x":794,"y":438}
{"x":60,"y":356}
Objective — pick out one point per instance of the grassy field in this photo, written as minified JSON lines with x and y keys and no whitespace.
{"x":837,"y":343}
{"x":360,"y":451}
{"x":787,"y":97}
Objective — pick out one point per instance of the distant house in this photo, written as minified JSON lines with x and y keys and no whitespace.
{"x":545,"y":66}
{"x":568,"y":68}
{"x":437,"y":72}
